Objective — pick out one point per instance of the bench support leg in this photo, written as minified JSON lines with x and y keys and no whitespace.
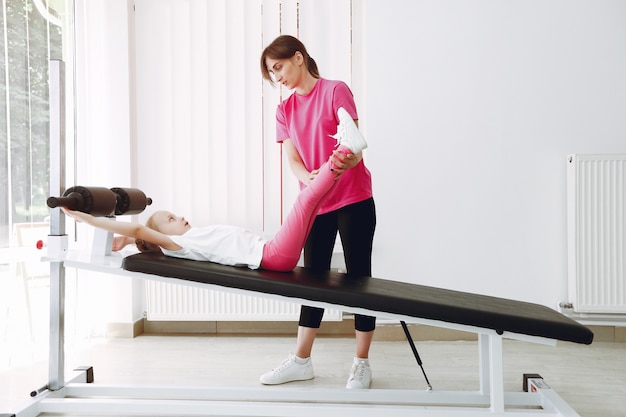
{"x":491,"y":371}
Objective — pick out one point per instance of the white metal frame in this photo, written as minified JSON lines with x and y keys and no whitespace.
{"x":79,"y":395}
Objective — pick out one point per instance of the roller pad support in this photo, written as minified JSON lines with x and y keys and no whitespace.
{"x":57,"y":246}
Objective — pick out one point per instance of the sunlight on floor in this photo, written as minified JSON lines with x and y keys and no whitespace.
{"x":24,"y":321}
{"x":25,"y":318}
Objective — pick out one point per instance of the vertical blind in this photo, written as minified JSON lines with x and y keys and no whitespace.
{"x":205,"y":137}
{"x":205,"y":134}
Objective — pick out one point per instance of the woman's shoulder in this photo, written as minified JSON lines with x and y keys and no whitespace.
{"x":337,"y":90}
{"x":332,"y":84}
{"x":324,"y":90}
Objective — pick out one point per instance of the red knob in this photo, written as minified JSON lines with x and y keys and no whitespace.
{"x":40,"y":244}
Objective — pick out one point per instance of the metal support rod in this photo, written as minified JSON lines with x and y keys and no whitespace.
{"x":56,"y":365}
{"x":414,"y":349}
{"x":57,"y":142}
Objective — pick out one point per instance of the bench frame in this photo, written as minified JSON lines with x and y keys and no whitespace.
{"x":79,"y":394}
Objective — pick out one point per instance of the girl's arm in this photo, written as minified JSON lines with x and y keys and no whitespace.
{"x":133,"y":230}
{"x":120,"y":242}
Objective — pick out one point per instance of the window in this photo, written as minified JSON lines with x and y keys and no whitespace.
{"x":32,"y":34}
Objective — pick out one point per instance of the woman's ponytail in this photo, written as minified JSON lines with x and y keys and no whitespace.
{"x":312,"y":67}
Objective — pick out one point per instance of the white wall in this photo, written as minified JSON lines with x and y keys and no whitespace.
{"x":471,"y":108}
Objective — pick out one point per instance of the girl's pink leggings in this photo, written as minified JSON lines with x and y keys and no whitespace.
{"x":283,"y":251}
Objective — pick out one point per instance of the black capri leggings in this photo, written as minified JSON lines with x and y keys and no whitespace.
{"x":356,"y":224}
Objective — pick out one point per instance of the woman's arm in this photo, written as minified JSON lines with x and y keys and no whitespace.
{"x":133,"y":230}
{"x":296,"y":164}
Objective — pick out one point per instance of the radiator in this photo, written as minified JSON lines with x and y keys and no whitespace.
{"x":172,"y":302}
{"x":596,"y":194}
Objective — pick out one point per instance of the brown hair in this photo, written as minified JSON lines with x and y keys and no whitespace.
{"x":144,"y":246}
{"x":285,"y":47}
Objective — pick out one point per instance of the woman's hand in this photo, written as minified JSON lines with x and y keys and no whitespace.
{"x":344,"y":162}
{"x":312,"y":175}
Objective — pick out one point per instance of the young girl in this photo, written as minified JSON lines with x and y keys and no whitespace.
{"x":229,"y":245}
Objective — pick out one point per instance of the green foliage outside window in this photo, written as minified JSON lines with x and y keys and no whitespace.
{"x":30,"y":39}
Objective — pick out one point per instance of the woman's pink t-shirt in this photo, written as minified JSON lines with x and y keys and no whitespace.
{"x":309,"y":121}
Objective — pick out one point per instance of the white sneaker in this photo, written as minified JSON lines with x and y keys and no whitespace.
{"x":348,"y":133}
{"x":360,"y":375}
{"x":289,"y":371}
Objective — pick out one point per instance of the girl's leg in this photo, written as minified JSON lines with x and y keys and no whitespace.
{"x":283,"y":251}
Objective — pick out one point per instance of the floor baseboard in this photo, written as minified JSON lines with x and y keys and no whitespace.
{"x":385,"y":331}
{"x":344,"y":328}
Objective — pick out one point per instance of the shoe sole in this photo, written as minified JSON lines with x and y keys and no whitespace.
{"x":286,"y":382}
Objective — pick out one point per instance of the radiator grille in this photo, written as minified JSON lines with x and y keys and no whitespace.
{"x":597,"y":233}
{"x":172,"y":302}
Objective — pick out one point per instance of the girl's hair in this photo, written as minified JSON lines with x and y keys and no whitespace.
{"x":285,"y":47}
{"x":144,"y":246}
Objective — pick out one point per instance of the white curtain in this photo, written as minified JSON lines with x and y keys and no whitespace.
{"x":205,"y":133}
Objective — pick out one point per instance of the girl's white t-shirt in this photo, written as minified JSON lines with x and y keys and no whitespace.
{"x":223,"y":244}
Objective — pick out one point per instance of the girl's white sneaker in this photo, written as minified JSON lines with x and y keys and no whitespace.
{"x":348,"y":133}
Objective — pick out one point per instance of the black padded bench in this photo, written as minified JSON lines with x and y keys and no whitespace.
{"x":376,"y":295}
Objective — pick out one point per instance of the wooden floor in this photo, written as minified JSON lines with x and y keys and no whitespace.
{"x":591,"y":379}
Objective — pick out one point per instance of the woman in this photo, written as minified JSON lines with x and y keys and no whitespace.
{"x":229,"y":245}
{"x":304,"y":121}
